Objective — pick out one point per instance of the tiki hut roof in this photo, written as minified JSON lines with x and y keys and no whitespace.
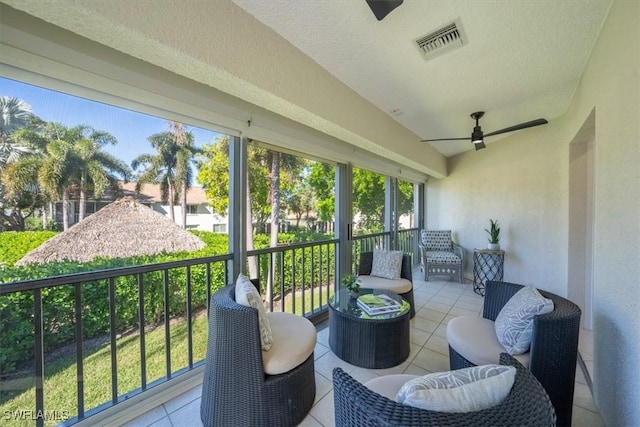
{"x":121,"y":229}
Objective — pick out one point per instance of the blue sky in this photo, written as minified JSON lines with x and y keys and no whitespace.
{"x":130,"y":128}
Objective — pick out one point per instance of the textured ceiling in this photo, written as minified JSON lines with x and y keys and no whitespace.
{"x":523,"y":59}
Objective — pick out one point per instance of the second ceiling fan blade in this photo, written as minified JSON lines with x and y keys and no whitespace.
{"x":525,"y":125}
{"x":446,"y":139}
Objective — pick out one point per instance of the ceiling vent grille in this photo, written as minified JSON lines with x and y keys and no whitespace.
{"x":442,"y":40}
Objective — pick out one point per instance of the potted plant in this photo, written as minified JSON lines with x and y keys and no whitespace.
{"x":494,"y":236}
{"x":351,"y":283}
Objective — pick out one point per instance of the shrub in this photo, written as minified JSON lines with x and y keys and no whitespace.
{"x":15,"y":244}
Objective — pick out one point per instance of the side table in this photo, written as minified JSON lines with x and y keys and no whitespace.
{"x":487,"y":265}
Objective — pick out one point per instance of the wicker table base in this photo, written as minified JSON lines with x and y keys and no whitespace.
{"x":367,"y":342}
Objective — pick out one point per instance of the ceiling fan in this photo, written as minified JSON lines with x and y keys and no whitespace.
{"x":477,"y":137}
{"x":382,"y":8}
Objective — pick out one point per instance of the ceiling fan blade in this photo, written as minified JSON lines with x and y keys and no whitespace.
{"x":382,"y":8}
{"x":525,"y":125}
{"x":446,"y":139}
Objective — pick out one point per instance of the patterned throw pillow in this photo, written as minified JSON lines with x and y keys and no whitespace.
{"x":248,"y":295}
{"x":387,"y":264}
{"x":514,"y":324}
{"x":463,"y":390}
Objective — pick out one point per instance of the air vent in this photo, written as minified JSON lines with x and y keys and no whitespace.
{"x":443,"y":40}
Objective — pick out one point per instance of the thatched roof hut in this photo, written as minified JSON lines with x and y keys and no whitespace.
{"x":121,"y":229}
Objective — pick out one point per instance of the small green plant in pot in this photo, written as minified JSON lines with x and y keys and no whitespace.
{"x":351,"y":283}
{"x":494,"y":235}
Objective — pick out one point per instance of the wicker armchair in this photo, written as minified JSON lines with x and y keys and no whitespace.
{"x":440,"y":255}
{"x":526,"y":405}
{"x":364,"y":269}
{"x":235,"y":390}
{"x":554,"y":345}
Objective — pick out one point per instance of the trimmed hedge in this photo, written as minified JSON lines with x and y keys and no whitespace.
{"x":16,"y":310}
{"x":15,"y":244}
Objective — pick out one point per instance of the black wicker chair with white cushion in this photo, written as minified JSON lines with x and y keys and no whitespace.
{"x":527,"y":404}
{"x":554,"y":343}
{"x":402,"y":286}
{"x":440,"y":255}
{"x":236,"y":389}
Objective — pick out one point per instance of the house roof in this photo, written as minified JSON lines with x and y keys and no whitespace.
{"x":150,"y":193}
{"x":121,"y":229}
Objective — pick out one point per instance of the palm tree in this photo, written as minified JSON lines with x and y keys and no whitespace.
{"x":186,"y":151}
{"x":96,"y":167}
{"x":170,"y":167}
{"x":73,"y":158}
{"x":15,"y":114}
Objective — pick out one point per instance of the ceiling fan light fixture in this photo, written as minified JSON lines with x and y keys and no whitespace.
{"x":477,"y":137}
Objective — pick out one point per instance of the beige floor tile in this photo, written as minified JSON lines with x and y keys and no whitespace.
{"x":184,"y":399}
{"x":584,"y":418}
{"x":430,"y":314}
{"x":323,"y":386}
{"x":323,"y":411}
{"x":438,"y":344}
{"x":431,"y":361}
{"x":425,"y":325}
{"x":187,"y":416}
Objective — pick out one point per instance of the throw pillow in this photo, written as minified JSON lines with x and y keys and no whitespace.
{"x":463,"y":390}
{"x":387,"y":264}
{"x":248,"y":295}
{"x":514,"y":323}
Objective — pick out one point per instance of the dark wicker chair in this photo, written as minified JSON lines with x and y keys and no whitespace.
{"x":554,"y":345}
{"x":364,"y":268}
{"x":235,"y":390}
{"x":526,"y":405}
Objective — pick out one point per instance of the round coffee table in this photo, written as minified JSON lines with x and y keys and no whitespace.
{"x":376,"y":342}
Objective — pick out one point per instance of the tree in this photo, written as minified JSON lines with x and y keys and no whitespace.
{"x":185,"y":153}
{"x":321,"y":178}
{"x":170,"y":167}
{"x":14,"y":114}
{"x":97,"y":169}
{"x":368,"y":199}
{"x":71,"y":160}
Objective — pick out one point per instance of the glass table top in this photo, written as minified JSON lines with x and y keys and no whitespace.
{"x":345,"y":304}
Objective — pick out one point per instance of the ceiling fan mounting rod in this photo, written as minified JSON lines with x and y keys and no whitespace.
{"x":477,"y":116}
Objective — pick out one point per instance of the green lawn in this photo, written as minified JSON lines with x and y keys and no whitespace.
{"x":60,"y":372}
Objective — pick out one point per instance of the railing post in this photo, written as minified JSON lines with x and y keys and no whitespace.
{"x":38,"y":354}
{"x":344,"y":220}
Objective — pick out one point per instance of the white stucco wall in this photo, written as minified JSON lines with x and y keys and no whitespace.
{"x":523,"y":182}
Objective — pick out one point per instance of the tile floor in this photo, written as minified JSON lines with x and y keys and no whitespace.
{"x":436,"y":303}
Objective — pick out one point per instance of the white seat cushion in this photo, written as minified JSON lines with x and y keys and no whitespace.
{"x":389,"y":385}
{"x":294,"y":338}
{"x":474,"y":338}
{"x":399,"y":286}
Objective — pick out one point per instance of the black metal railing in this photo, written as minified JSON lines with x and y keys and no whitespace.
{"x":297,"y":278}
{"x":408,"y":241}
{"x":161,"y":293}
{"x":154,"y":306}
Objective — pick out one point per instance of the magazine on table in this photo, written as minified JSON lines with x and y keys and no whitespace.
{"x":378,"y":304}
